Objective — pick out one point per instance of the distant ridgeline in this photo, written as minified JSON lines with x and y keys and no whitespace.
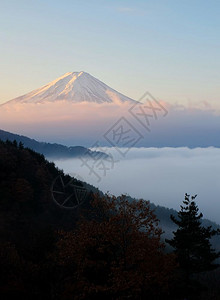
{"x":51,"y":150}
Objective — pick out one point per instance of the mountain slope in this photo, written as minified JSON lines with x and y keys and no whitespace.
{"x":34,"y":261}
{"x":73,"y":87}
{"x":25,"y":184}
{"x":48,"y":149}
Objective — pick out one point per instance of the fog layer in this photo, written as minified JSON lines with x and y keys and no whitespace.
{"x":161,"y":175}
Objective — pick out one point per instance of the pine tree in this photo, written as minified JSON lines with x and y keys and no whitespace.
{"x":191,"y":241}
{"x":15,"y":143}
{"x":21,"y":145}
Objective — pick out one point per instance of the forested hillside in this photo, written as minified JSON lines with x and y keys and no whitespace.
{"x":50,"y":252}
{"x":50,"y":150}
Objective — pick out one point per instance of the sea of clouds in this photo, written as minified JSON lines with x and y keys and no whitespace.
{"x":161,"y":175}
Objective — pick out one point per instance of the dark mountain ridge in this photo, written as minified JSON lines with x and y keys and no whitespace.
{"x":55,"y":151}
{"x":25,"y":183}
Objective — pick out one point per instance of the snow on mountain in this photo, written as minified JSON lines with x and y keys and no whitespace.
{"x":73,"y":87}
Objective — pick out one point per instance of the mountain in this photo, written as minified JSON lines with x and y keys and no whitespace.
{"x":74,"y":87}
{"x":23,"y":170}
{"x":38,"y":256}
{"x":51,"y":150}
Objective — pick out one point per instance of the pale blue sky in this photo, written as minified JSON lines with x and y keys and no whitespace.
{"x":170,"y":48}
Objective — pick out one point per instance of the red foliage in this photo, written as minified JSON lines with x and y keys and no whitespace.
{"x":116,"y":253}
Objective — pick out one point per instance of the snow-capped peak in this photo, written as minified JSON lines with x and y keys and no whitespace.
{"x":74,"y":87}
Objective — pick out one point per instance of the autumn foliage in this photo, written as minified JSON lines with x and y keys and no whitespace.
{"x":115,"y":252}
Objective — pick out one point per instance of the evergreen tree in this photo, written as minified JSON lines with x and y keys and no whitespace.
{"x":191,"y":241}
{"x":21,"y":145}
{"x":15,"y":143}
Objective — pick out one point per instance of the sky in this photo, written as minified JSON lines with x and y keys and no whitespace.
{"x":84,"y":124}
{"x":170,"y":48}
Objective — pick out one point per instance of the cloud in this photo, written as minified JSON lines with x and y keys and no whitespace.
{"x":161,"y":175}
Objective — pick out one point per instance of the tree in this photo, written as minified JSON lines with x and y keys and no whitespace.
{"x":191,"y":241}
{"x":15,"y":143}
{"x":116,"y":253}
{"x":21,"y":146}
